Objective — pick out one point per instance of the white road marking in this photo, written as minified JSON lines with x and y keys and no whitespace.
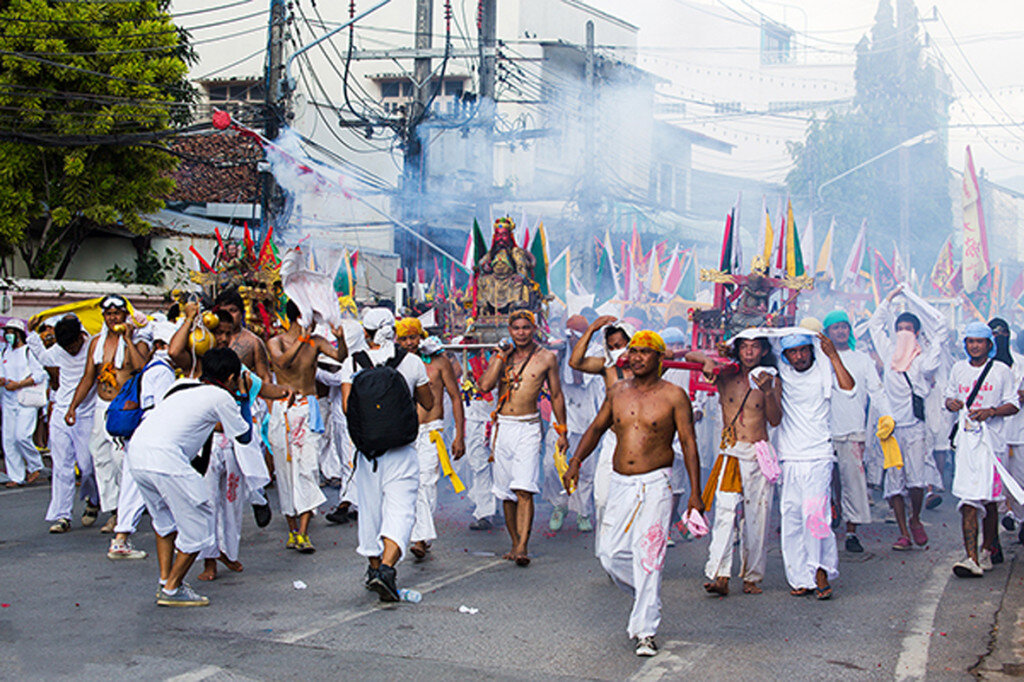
{"x":196,"y":675}
{"x":675,"y":658}
{"x":913,"y":661}
{"x":352,"y":614}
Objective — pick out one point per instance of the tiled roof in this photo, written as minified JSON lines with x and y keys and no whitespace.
{"x":226,"y":172}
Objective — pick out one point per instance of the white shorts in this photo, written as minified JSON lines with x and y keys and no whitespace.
{"x":517,"y":442}
{"x":178,"y":504}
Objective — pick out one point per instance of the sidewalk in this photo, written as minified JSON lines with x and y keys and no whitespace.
{"x":1005,"y":659}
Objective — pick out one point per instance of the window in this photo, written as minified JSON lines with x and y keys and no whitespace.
{"x":242,"y":91}
{"x":389,"y":89}
{"x":776,"y":43}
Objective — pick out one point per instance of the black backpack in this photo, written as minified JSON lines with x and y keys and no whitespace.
{"x":381,"y":414}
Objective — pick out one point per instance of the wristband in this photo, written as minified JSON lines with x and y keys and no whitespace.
{"x":560,"y":429}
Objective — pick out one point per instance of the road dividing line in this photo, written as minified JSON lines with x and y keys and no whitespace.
{"x":913,"y":661}
{"x":196,"y":675}
{"x":672,"y":662}
{"x":351,"y":614}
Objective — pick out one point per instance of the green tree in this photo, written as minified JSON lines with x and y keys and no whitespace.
{"x":88,"y":90}
{"x":899,"y":95}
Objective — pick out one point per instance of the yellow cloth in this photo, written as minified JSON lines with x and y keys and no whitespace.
{"x":562,"y":466}
{"x":890,"y":448}
{"x":648,"y":339}
{"x":409,"y":326}
{"x":731,"y":481}
{"x":446,"y":463}
{"x":88,"y":313}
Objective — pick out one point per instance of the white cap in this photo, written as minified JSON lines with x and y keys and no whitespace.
{"x":163,"y":331}
{"x":15,"y":323}
{"x":375,"y":318}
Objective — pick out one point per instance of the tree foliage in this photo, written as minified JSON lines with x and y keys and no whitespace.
{"x":86,"y":91}
{"x":899,"y":95}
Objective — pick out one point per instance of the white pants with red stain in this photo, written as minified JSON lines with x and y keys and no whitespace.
{"x":753,"y":528}
{"x":807,"y":539}
{"x":632,"y":542}
{"x":226,"y":487}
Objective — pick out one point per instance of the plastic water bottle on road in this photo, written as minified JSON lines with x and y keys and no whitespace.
{"x":411,"y":596}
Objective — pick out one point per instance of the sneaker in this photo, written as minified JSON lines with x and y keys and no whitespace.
{"x":262,"y":514}
{"x":61,"y":526}
{"x":371,"y":572}
{"x":917,"y":532}
{"x":903,"y":544}
{"x":932,"y":501}
{"x":90,"y":514}
{"x":339,"y":515}
{"x":303,"y":545}
{"x":1008,"y":523}
{"x":583,"y":524}
{"x":293,"y":538}
{"x":119,"y":551}
{"x":557,"y":519}
{"x":645,"y":646}
{"x":853,"y":544}
{"x":985,"y":560}
{"x":110,"y":525}
{"x":967,"y":568}
{"x":383,"y":583}
{"x":670,"y":542}
{"x":481,"y":524}
{"x":184,"y":596}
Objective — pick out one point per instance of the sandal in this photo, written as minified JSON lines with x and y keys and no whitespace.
{"x":800,"y":592}
{"x":823,"y":593}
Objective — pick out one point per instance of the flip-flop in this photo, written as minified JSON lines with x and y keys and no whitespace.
{"x":823,"y":593}
{"x":800,"y":592}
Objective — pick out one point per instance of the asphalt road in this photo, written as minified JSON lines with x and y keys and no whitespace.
{"x":66,"y":611}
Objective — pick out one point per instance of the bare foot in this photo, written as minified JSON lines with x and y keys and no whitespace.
{"x":10,"y":484}
{"x":209,"y":570}
{"x":751,"y":588}
{"x":418,"y":549}
{"x":522,"y":559}
{"x":235,"y":566}
{"x":720,"y":586}
{"x":800,"y":592}
{"x":32,"y":478}
{"x":509,"y":555}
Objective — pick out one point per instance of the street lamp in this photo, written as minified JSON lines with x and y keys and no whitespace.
{"x":923,"y":138}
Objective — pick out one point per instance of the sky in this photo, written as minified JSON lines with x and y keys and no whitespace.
{"x":980,"y":44}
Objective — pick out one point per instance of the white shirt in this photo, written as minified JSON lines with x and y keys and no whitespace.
{"x":156,"y":381}
{"x":411,"y":367}
{"x":849,"y":413}
{"x":17,"y":365}
{"x":998,"y":389}
{"x":174,"y":431}
{"x":804,"y":433}
{"x":70,"y":369}
{"x":1013,"y":427}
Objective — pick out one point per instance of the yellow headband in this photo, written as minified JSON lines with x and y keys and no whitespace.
{"x":522,"y":315}
{"x":648,"y":339}
{"x":409,"y":326}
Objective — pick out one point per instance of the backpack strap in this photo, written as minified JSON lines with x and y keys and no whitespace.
{"x":362,"y":359}
{"x":396,"y":360}
{"x":180,"y":387}
{"x":977,"y":384}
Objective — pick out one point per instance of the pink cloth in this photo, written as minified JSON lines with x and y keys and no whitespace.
{"x":767,"y":460}
{"x":695,"y":523}
{"x":906,"y":350}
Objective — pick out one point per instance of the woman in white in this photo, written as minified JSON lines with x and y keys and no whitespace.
{"x":21,"y":371}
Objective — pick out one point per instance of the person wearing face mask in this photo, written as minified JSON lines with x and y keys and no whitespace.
{"x":912,"y":357}
{"x":21,"y":369}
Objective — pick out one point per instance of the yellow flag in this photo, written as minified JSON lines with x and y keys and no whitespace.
{"x":88,"y":313}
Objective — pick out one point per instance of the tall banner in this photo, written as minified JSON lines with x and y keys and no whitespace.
{"x":975,"y":256}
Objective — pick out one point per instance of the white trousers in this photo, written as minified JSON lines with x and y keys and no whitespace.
{"x":919,"y":469}
{"x":807,"y":539}
{"x":602,"y":472}
{"x":130,"y":503}
{"x":69,"y":445}
{"x":478,"y":452}
{"x":753,"y":529}
{"x":1014,"y":462}
{"x":853,"y":480}
{"x":387,"y":499}
{"x":296,"y":451}
{"x":426,"y":494}
{"x":346,"y":453}
{"x":330,"y":457}
{"x":107,"y":457}
{"x":582,"y":499}
{"x":20,"y":454}
{"x":178,"y":504}
{"x":226,"y":488}
{"x":631,"y":545}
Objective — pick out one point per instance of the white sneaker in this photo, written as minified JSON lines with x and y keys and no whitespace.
{"x":985,"y":559}
{"x":120,"y":551}
{"x":557,"y":518}
{"x":967,"y":568}
{"x":645,"y":646}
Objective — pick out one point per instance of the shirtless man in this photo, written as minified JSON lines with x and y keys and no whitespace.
{"x":519,"y":372}
{"x":616,"y":339}
{"x":646,"y":413}
{"x":736,"y":476}
{"x":118,"y":351}
{"x":251,"y":350}
{"x":408,"y":335}
{"x":296,"y":429}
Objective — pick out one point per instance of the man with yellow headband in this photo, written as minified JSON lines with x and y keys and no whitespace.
{"x":646,"y":413}
{"x":430,"y":449}
{"x":519,"y":371}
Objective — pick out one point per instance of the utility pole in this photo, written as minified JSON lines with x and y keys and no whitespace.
{"x":589,"y":201}
{"x":273,"y":110}
{"x":487,"y":34}
{"x":903,"y":23}
{"x":414,"y":162}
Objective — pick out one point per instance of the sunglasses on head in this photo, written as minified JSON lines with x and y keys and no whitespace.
{"x":113,"y":302}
